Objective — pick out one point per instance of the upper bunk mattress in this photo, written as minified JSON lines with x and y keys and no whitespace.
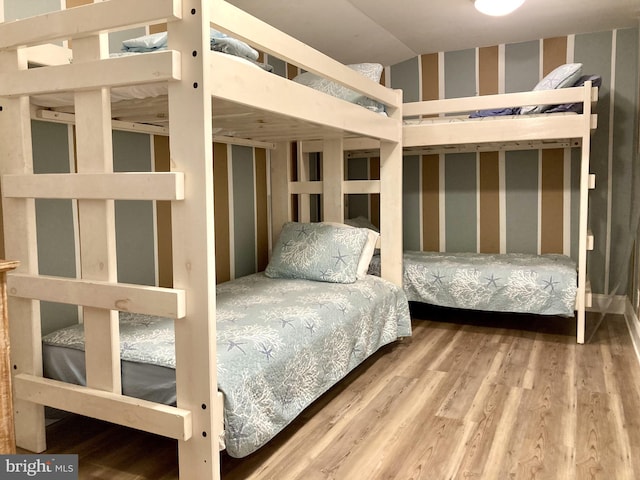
{"x":280,"y":345}
{"x":513,"y":282}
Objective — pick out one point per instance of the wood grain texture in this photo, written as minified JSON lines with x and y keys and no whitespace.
{"x":7,"y":428}
{"x":469,"y":396}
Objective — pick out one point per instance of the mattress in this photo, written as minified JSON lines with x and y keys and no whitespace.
{"x":281,"y":344}
{"x":521,"y":283}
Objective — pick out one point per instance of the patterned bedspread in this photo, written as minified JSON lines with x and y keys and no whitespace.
{"x":539,"y":284}
{"x":281,"y":344}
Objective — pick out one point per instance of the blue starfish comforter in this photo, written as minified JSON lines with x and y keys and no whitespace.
{"x":513,"y":282}
{"x":281,"y":344}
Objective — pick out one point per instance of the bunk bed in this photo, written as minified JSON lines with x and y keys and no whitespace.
{"x":569,"y":129}
{"x":206,"y":92}
{"x":559,"y":117}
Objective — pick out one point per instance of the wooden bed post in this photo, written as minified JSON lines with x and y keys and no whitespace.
{"x":96,"y":220}
{"x":391,"y":235}
{"x":333,"y":180}
{"x":191,"y":149}
{"x":21,"y":244}
{"x":585,"y":153}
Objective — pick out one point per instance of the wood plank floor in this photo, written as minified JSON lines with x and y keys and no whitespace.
{"x":480,"y":396}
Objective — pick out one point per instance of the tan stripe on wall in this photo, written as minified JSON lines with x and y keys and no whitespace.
{"x":554,"y":54}
{"x":431,"y":203}
{"x":552,"y":185}
{"x":262,"y":228}
{"x":488,"y":70}
{"x":221,"y":212}
{"x":430,"y":163}
{"x":430,"y":87}
{"x":292,"y":71}
{"x":489,"y":202}
{"x":163,"y":216}
{"x":77,"y":3}
{"x":160,"y":27}
{"x":374,"y":198}
{"x":489,"y":171}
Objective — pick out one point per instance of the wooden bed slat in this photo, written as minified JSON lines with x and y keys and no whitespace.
{"x":70,"y":119}
{"x":165,"y":302}
{"x":309,"y":187}
{"x":151,"y":417}
{"x":469,"y":104}
{"x":108,"y":72}
{"x":498,"y":129}
{"x":87,"y":20}
{"x":102,"y":186}
{"x":362,"y":186}
{"x":49,"y":54}
{"x":235,"y":82}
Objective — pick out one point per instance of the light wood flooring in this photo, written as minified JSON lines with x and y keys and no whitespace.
{"x":480,"y":396}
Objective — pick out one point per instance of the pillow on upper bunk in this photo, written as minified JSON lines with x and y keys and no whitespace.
{"x":317,"y":251}
{"x":596,"y":81}
{"x":220,"y":42}
{"x":372,"y":71}
{"x":562,"y":76}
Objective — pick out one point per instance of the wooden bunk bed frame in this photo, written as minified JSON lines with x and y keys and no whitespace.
{"x":448,"y":129}
{"x":260,"y":107}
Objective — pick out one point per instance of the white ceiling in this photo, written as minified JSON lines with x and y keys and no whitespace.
{"x":389,"y":32}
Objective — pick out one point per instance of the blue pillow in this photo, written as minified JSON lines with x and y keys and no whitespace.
{"x":317,"y":251}
{"x":219,"y":41}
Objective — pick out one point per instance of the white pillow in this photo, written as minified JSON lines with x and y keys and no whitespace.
{"x":562,"y":76}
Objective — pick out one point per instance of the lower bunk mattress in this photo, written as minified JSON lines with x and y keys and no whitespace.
{"x":513,"y":282}
{"x":280,"y":345}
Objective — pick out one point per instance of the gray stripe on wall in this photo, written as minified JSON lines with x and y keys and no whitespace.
{"x":54,"y":221}
{"x":625,"y":128}
{"x":244,"y":231}
{"x":461,"y":218}
{"x":593,"y":50}
{"x":406,"y":77}
{"x":521,"y":185}
{"x":358,"y":169}
{"x":279,"y":66}
{"x":135,"y":234}
{"x":15,"y":9}
{"x":521,"y":66}
{"x":411,"y":202}
{"x":460,"y":74}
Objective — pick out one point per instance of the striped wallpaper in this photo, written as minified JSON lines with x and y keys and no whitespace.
{"x":490,"y":202}
{"x":525,"y":201}
{"x":241,"y":211}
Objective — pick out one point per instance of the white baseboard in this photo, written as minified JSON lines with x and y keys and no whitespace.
{"x":620,"y":305}
{"x":633,"y":324}
{"x":615,"y":304}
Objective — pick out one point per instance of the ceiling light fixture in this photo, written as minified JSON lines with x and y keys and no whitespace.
{"x":497,"y":8}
